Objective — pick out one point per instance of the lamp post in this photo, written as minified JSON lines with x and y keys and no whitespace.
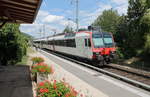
{"x":54,"y":30}
{"x":77,"y":15}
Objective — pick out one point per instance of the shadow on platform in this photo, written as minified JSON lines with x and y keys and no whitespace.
{"x":15,"y":81}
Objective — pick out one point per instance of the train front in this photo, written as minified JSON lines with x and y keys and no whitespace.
{"x":104,"y":50}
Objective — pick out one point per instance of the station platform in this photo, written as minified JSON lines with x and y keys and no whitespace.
{"x":15,"y":81}
{"x":89,"y":82}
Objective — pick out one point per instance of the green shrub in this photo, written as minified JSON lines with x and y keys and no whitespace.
{"x":12,"y":44}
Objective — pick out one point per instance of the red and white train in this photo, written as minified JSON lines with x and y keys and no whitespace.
{"x":93,"y":45}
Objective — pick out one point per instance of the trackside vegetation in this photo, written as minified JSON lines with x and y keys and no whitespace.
{"x":13,"y":44}
{"x":131,"y":31}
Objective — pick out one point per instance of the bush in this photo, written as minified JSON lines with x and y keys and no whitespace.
{"x":13,"y":44}
{"x":41,"y":68}
{"x":36,"y":60}
{"x":55,"y":89}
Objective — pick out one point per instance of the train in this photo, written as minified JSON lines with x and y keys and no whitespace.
{"x":92,"y":45}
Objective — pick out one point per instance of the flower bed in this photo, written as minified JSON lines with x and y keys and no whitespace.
{"x":41,"y":68}
{"x":55,"y":89}
{"x":36,"y":60}
{"x":40,"y":72}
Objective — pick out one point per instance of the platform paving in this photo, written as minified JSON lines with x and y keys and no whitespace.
{"x":60,"y":73}
{"x":98,"y":82}
{"x":15,"y":81}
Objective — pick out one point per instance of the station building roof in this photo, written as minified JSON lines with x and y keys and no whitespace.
{"x":19,"y":11}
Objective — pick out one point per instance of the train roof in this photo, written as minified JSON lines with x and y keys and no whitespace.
{"x":71,"y":35}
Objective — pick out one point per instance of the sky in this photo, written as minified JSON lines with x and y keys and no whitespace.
{"x":55,"y":15}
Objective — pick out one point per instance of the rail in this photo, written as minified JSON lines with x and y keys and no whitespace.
{"x":130,"y":81}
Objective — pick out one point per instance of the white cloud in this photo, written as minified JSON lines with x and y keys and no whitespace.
{"x":122,"y":9}
{"x":52,"y":18}
{"x":89,"y":17}
{"x":50,"y":21}
{"x":42,"y":13}
{"x":36,"y":30}
{"x":121,"y":6}
{"x":59,"y":22}
{"x":67,"y":22}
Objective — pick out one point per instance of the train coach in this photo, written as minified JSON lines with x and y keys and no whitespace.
{"x":93,"y":45}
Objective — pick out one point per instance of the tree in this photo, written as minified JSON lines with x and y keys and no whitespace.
{"x":108,"y":20}
{"x":131,"y":31}
{"x":12,"y":44}
{"x":68,"y":29}
{"x":82,"y":29}
{"x":137,"y":29}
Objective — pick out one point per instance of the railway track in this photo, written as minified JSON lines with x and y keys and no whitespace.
{"x":128,"y":74}
{"x":134,"y":77}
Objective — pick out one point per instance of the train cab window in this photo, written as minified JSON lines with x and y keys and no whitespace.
{"x":89,"y":43}
{"x":85,"y":41}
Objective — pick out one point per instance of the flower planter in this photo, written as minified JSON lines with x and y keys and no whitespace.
{"x":41,"y":77}
{"x":34,"y":77}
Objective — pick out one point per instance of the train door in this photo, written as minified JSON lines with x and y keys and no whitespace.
{"x":53,"y":45}
{"x":80,"y":46}
{"x":87,"y":47}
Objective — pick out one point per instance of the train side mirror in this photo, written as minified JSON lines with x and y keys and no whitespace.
{"x":90,"y":28}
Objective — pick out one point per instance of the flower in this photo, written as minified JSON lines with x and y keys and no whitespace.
{"x":44,"y":90}
{"x":41,"y":84}
{"x":37,"y":60}
{"x":56,"y":88}
{"x":42,"y":68}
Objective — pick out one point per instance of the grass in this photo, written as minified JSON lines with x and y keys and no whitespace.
{"x":23,"y":61}
{"x":26,"y":57}
{"x":136,"y":62}
{"x":30,"y":50}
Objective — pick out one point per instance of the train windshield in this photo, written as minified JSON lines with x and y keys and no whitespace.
{"x":108,"y":40}
{"x":98,"y":40}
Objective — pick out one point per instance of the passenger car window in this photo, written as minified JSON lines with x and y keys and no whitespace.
{"x":89,"y":43}
{"x":85,"y":41}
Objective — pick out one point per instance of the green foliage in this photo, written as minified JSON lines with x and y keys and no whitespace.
{"x":138,"y":22}
{"x":29,"y":37}
{"x":12,"y":44}
{"x":108,"y":20}
{"x":131,"y":31}
{"x":68,"y":30}
{"x":147,"y":44}
{"x":82,"y":29}
{"x":55,"y":89}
